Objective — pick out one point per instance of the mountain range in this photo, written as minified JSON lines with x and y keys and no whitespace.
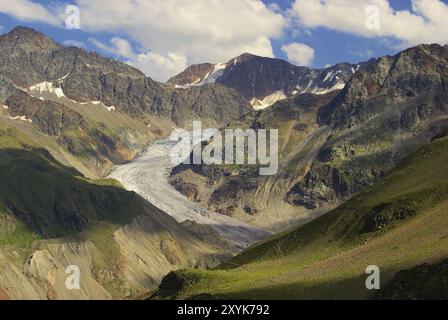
{"x":263,"y":81}
{"x":361,"y":177}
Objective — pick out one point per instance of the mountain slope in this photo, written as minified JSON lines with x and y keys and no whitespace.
{"x":29,"y":58}
{"x":239,"y":190}
{"x":263,"y":81}
{"x":332,"y":146}
{"x":118,"y":108}
{"x":398,"y":223}
{"x":51,"y":217}
{"x":387,"y":110}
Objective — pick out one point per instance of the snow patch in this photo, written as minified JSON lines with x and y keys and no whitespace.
{"x":331,"y":75}
{"x":356,"y":69}
{"x":111,"y":108}
{"x":267,"y":101}
{"x":47,"y":87}
{"x":23,"y":118}
{"x":338,"y":86}
{"x":97,"y":103}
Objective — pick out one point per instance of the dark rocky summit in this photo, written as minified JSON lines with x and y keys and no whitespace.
{"x":258,"y":77}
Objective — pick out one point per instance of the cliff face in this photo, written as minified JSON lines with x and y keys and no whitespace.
{"x":386,"y":111}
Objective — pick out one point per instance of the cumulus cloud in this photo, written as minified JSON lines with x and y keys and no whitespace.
{"x":173,"y":33}
{"x":425,"y":23}
{"x":118,"y":46}
{"x":299,"y":53}
{"x":163,"y":65}
{"x":174,"y":30}
{"x":27,"y":10}
{"x":170,"y":31}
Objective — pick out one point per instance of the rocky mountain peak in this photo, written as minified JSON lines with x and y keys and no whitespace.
{"x":263,"y":80}
{"x":28,"y":38}
{"x":193,"y":74}
{"x":411,"y":78}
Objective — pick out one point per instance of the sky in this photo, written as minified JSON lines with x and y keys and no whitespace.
{"x":163,"y":37}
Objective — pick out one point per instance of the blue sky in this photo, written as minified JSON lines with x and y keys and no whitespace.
{"x":162,"y":37}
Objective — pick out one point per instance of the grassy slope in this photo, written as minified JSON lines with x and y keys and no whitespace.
{"x":49,"y":199}
{"x":43,"y":202}
{"x":396,"y":224}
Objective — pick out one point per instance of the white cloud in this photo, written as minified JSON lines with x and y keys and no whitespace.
{"x":199,"y":30}
{"x":27,"y":10}
{"x":74,"y":43}
{"x":299,"y":53}
{"x":149,"y":62}
{"x":426,"y":23}
{"x":163,"y":65}
{"x":118,"y":46}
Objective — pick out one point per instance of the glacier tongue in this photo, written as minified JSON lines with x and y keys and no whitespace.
{"x":147,"y":175}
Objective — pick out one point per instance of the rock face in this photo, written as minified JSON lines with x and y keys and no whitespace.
{"x":386,"y":111}
{"x":50,"y":117}
{"x":239,"y":190}
{"x":80,"y":136}
{"x":423,"y":282}
{"x":194,"y":74}
{"x":333,"y":148}
{"x":258,"y":78}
